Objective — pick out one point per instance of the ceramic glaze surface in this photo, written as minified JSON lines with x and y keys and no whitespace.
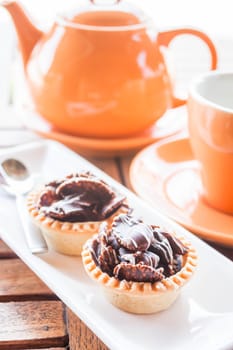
{"x":167,"y":175}
{"x":211,"y":134}
{"x":217,"y":90}
{"x":117,"y":77}
{"x":99,"y":72}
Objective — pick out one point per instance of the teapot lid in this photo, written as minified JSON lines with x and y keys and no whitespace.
{"x":104,"y":15}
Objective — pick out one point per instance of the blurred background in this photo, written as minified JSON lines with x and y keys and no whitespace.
{"x":212,"y":16}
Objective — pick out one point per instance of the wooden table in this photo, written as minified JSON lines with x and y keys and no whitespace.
{"x":31,"y":316}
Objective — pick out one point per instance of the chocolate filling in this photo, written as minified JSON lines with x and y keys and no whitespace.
{"x":79,"y":198}
{"x":135,"y":251}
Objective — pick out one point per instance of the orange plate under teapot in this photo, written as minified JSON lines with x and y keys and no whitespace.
{"x":99,"y":72}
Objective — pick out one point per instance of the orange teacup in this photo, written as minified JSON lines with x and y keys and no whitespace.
{"x":210,"y":110}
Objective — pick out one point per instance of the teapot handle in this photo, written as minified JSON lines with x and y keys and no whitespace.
{"x":164,"y":39}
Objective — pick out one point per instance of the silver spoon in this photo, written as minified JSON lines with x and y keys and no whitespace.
{"x":15,"y":177}
{"x":17,"y":181}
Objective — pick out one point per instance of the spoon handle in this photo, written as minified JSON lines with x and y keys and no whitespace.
{"x":33,"y":236}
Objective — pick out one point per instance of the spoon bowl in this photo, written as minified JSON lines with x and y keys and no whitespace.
{"x":15,"y":177}
{"x":15,"y":169}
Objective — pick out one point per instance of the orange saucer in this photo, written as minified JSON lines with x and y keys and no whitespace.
{"x":171,"y":123}
{"x":167,"y":176}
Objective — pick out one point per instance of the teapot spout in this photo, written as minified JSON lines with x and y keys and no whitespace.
{"x":28,"y":34}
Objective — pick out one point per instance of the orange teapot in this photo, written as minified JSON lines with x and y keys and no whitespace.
{"x":99,"y":71}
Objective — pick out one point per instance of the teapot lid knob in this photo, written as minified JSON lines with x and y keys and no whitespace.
{"x":104,"y":15}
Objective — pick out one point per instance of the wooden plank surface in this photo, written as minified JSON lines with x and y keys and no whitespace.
{"x":5,"y":251}
{"x":125,"y":166}
{"x":32,"y":324}
{"x":80,"y":336}
{"x":48,"y":349}
{"x":109,"y":166}
{"x":18,"y":282}
{"x":227,"y":251}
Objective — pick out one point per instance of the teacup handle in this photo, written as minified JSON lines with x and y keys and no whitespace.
{"x":164,"y":39}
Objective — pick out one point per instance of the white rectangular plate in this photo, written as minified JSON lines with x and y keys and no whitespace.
{"x":202,"y":317}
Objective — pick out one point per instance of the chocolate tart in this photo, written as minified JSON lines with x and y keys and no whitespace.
{"x":71,"y":210}
{"x":141,"y":267}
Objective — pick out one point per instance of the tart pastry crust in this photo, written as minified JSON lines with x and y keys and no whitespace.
{"x":142,"y":297}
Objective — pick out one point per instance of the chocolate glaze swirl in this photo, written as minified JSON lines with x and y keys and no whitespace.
{"x":134,"y":251}
{"x":79,"y":198}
